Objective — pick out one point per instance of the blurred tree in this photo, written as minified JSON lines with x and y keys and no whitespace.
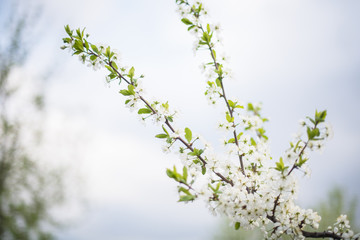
{"x":27,"y":189}
{"x":330,"y":209}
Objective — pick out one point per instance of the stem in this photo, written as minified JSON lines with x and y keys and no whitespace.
{"x":170,"y":126}
{"x":312,"y":234}
{"x":223,"y":95}
{"x":187,"y":185}
{"x":275,"y":205}
{"x":321,"y":235}
{"x":301,"y":152}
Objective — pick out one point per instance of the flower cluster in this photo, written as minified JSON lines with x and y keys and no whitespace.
{"x":342,"y":228}
{"x":243,"y":183}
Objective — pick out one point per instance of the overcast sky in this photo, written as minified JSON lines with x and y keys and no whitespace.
{"x":293,"y":56}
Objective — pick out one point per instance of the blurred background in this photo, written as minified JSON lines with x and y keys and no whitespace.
{"x":75,"y":164}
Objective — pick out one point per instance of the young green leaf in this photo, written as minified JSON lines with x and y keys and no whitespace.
{"x":131,"y":72}
{"x":186,"y":21}
{"x":109,"y":68}
{"x":114,"y":65}
{"x":280,"y":165}
{"x":94,"y":48}
{"x":125,"y":92}
{"x":165,"y":130}
{"x":107,"y":52}
{"x":188,"y":134}
{"x":191,"y":27}
{"x":131,"y":89}
{"x":68,"y":30}
{"x":144,"y":111}
{"x":93,"y":57}
{"x":186,"y":198}
{"x":250,"y":107}
{"x":229,"y":118}
{"x":237,"y":225}
{"x":185,"y":174}
{"x":170,"y":173}
{"x":161,"y":135}
{"x":218,"y":82}
{"x":184,"y":190}
{"x":203,"y":170}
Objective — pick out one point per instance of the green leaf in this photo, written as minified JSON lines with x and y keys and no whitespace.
{"x":169,"y":140}
{"x":165,"y":105}
{"x":161,"y":135}
{"x":68,"y":30}
{"x":229,"y":118}
{"x":131,"y":72}
{"x":94,"y":48}
{"x":208,"y":28}
{"x":196,"y":152}
{"x":144,"y":111}
{"x":188,"y":134}
{"x":186,"y":198}
{"x":107,"y":52}
{"x":169,"y":118}
{"x":165,"y":130}
{"x":231,"y":104}
{"x":217,"y":187}
{"x":184,"y":190}
{"x":206,"y":37}
{"x":320,"y":116}
{"x":237,"y":226}
{"x":185,"y":174}
{"x":280,"y":165}
{"x":212,"y":188}
{"x":112,"y":75}
{"x":186,"y":21}
{"x":67,"y":40}
{"x":77,"y":52}
{"x":250,"y":107}
{"x":111,"y":55}
{"x":125,"y":92}
{"x":114,"y":65}
{"x":131,"y":89}
{"x":218,"y":82}
{"x":301,"y":161}
{"x":82,"y":33}
{"x":170,"y":173}
{"x":93,"y":57}
{"x":79,"y":33}
{"x":78,"y":45}
{"x":203,"y":170}
{"x":191,"y":27}
{"x":214,"y":53}
{"x":219,"y":71}
{"x":311,"y":120}
{"x":109,"y":68}
{"x":312,"y":133}
{"x":86,"y":44}
{"x":297,"y":144}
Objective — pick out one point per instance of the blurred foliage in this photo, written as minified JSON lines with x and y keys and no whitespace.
{"x":28,"y":190}
{"x":337,"y":203}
